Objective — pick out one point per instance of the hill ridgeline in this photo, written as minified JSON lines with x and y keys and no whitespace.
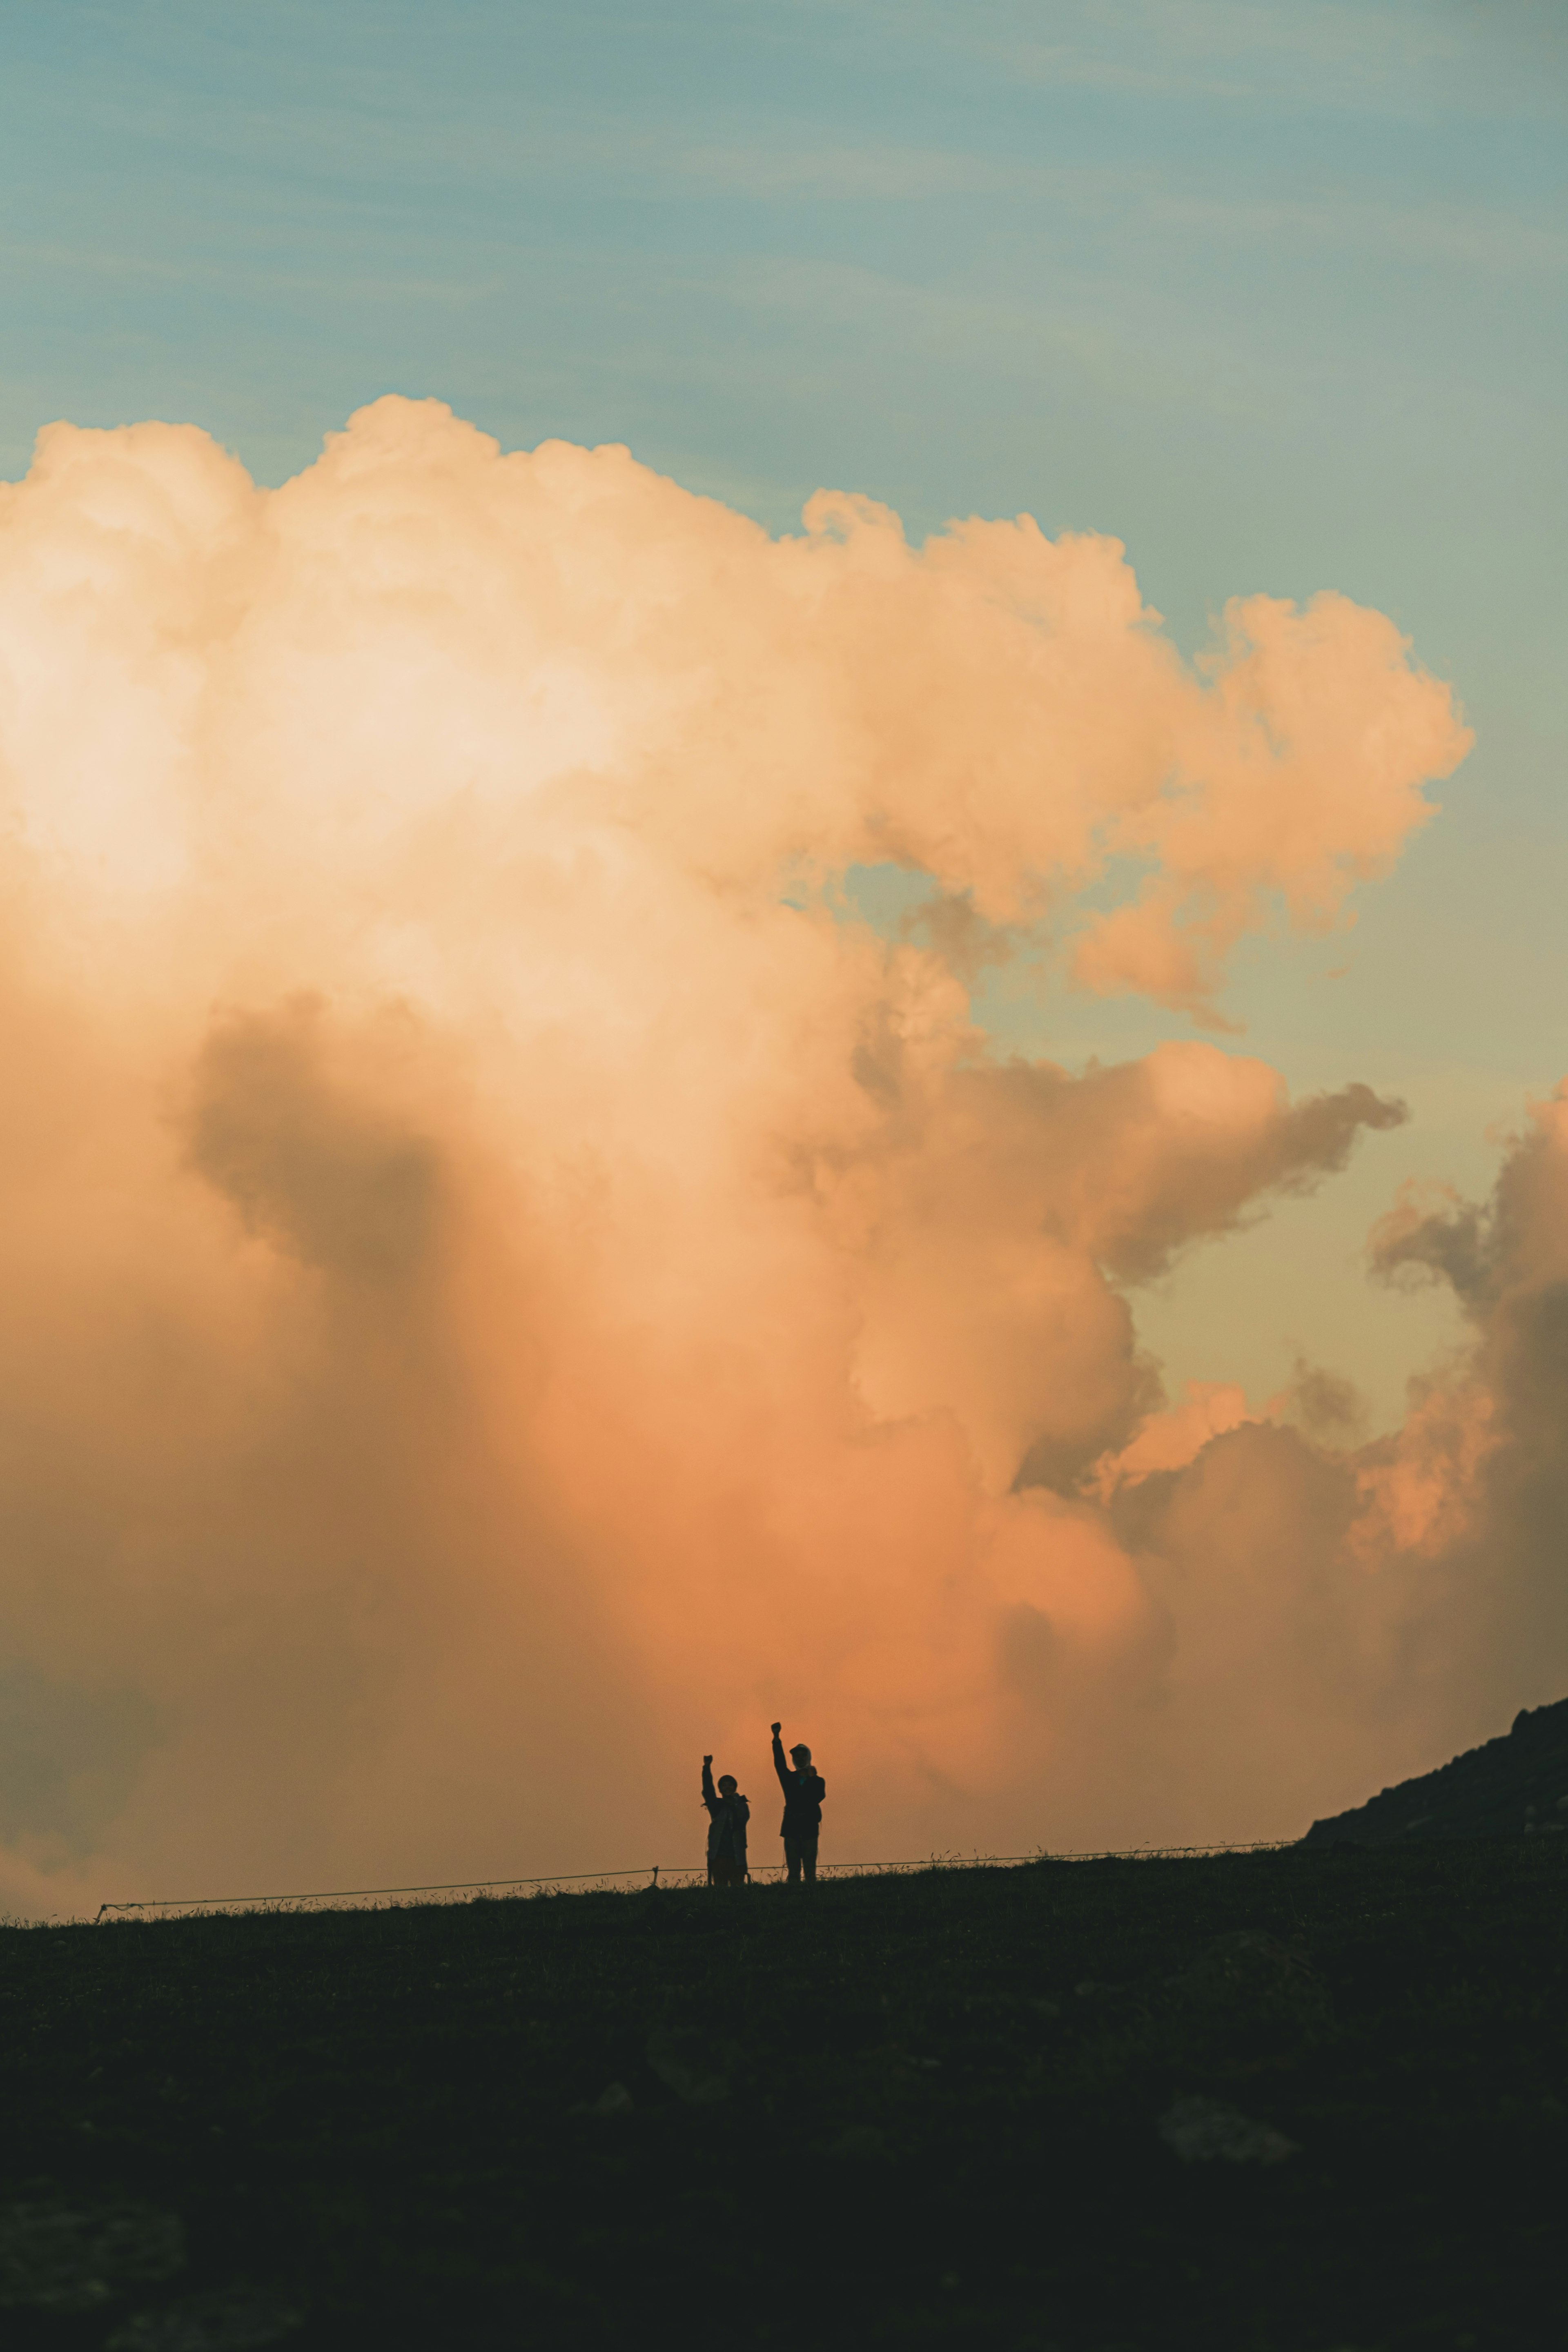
{"x":1517,"y":1783}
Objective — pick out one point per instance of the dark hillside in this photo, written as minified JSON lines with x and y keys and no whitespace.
{"x":1519,"y":1782}
{"x":1307,"y":2099}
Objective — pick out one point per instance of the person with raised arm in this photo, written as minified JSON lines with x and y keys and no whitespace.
{"x":728,"y":1813}
{"x":804,"y":1790}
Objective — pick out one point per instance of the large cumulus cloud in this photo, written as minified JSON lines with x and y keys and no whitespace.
{"x":506,"y":1287}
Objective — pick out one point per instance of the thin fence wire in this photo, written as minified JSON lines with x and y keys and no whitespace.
{"x":657,"y":1877}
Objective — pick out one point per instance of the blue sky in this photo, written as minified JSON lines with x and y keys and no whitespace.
{"x":1272,"y":290}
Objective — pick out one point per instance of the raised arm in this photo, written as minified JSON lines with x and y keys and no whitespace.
{"x":779,"y":1767}
{"x":710,"y":1794}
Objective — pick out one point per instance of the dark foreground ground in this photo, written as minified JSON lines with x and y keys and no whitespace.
{"x":964,"y":2107}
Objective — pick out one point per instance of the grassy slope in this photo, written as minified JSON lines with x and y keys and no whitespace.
{"x":1512,"y":1785}
{"x":374,"y":2110}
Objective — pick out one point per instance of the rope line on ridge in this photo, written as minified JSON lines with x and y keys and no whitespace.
{"x":602,"y":1877}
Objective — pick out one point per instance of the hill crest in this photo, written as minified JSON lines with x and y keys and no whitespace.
{"x":1517,"y":1783}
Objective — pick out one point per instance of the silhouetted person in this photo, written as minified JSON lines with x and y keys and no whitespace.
{"x":803,"y":1792}
{"x":728,"y":1813}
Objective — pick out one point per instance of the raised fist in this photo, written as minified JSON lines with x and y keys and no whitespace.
{"x":707,"y":1759}
{"x":777,"y":1729}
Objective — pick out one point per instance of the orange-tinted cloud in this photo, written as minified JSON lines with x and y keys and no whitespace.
{"x":507,"y":1290}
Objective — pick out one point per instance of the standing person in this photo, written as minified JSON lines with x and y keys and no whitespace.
{"x":728,"y":1813}
{"x":803,"y":1791}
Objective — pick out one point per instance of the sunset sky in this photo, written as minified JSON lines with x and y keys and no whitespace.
{"x":489,"y":941}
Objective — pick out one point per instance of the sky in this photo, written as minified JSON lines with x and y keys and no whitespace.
{"x":1272,"y":292}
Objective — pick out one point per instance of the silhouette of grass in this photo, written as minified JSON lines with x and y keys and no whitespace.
{"x":1307,"y":2099}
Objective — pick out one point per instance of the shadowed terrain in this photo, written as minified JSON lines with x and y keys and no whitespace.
{"x":1309,"y":2098}
{"x":1515,"y":1784}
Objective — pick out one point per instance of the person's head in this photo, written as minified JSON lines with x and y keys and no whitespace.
{"x":726,"y":1784}
{"x":800,"y":1758}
